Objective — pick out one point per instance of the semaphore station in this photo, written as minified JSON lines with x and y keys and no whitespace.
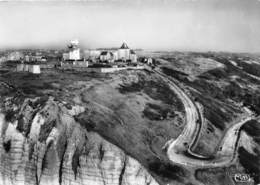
{"x":99,"y":60}
{"x":102,"y":60}
{"x":122,"y":54}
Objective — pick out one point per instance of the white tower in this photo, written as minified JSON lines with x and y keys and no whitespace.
{"x":74,"y":51}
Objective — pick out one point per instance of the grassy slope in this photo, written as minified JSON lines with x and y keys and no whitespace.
{"x":135,"y":110}
{"x":140,"y":134}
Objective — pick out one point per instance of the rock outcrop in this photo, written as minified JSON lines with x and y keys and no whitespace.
{"x":42,"y":144}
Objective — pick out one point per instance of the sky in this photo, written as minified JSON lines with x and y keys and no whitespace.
{"x":180,"y":25}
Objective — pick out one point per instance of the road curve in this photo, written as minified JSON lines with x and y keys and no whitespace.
{"x":178,"y":148}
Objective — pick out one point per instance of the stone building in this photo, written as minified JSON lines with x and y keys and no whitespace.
{"x":123,"y":52}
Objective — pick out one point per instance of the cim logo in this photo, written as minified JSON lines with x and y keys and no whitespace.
{"x":242,"y":177}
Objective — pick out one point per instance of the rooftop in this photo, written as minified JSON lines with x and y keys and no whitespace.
{"x":106,"y":52}
{"x":132,"y":51}
{"x":124,"y":46}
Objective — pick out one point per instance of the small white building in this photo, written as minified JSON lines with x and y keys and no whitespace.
{"x":74,"y":54}
{"x":133,"y":56}
{"x":92,"y":54}
{"x":106,"y":56}
{"x":35,"y":69}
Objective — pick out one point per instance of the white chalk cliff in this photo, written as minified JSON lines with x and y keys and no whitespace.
{"x":44,"y":145}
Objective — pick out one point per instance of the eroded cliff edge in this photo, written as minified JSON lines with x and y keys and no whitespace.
{"x":41,"y":143}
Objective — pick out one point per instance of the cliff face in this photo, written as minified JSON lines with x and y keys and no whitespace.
{"x":42,"y":144}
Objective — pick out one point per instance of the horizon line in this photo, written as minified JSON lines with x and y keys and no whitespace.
{"x":141,"y":49}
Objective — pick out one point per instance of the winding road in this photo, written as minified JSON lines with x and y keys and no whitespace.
{"x":178,"y":149}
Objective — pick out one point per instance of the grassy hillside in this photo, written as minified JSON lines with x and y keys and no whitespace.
{"x":221,"y":82}
{"x":136,"y":110}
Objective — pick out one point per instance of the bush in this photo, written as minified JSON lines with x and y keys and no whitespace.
{"x":251,"y":163}
{"x":157,"y":112}
{"x":166,"y":170}
{"x":10,"y":115}
{"x":7,"y":145}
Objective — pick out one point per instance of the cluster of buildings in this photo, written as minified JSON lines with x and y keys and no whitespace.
{"x":15,"y":56}
{"x":34,"y":58}
{"x":18,"y":56}
{"x":12,"y":56}
{"x":122,"y":54}
{"x":92,"y":60}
